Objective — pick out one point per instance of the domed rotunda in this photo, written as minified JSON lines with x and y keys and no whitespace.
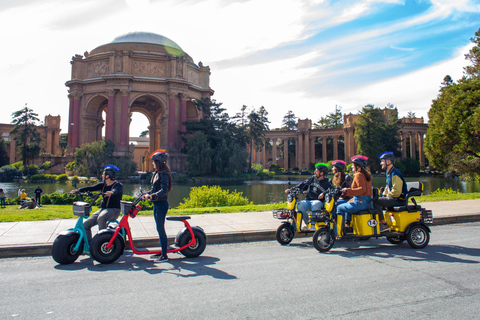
{"x":136,"y":72}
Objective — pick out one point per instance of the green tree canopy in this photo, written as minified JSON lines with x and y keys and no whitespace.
{"x":289,"y":121}
{"x":377,"y":132}
{"x":27,"y":137}
{"x":3,"y":153}
{"x":453,"y":136}
{"x":331,"y":120}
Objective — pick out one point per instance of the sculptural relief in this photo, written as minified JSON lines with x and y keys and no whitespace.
{"x":96,"y":69}
{"x":149,"y":69}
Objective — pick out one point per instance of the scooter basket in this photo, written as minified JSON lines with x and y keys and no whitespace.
{"x":281,"y":213}
{"x":125,"y":206}
{"x":317,"y":216}
{"x":81,"y":209}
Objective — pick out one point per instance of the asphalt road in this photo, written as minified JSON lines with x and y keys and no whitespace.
{"x":259,"y":280}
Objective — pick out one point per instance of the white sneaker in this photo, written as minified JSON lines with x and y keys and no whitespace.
{"x":162,"y":259}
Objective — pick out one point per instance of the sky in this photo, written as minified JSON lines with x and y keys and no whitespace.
{"x":308,"y":56}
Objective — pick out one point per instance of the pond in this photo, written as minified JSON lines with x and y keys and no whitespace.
{"x":257,"y":191}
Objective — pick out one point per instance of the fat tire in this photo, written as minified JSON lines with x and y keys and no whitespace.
{"x":62,"y":248}
{"x":285,"y":233}
{"x":198,"y":248}
{"x":418,"y":236}
{"x":101,"y":253}
{"x":323,"y":239}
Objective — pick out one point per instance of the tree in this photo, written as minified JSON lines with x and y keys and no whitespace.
{"x":289,"y":121}
{"x":27,"y":137}
{"x":63,"y":142}
{"x":453,"y":137}
{"x":331,"y":120}
{"x":144,"y":134}
{"x":257,"y":126}
{"x":377,"y":132}
{"x":473,"y":71}
{"x":210,"y":141}
{"x":3,"y":153}
{"x":92,"y":157}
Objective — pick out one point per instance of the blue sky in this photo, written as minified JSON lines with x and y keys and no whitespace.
{"x":302,"y":55}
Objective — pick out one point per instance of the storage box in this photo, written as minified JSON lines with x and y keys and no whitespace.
{"x":125,"y":206}
{"x":81,"y":208}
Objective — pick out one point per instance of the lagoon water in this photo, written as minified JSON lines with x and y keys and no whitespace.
{"x":257,"y":191}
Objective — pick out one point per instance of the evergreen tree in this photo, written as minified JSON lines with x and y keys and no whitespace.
{"x":3,"y":153}
{"x":27,"y":137}
{"x":289,"y":121}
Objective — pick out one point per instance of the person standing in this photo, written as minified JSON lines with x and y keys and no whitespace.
{"x":112,"y":191}
{"x":2,"y":198}
{"x":162,"y":184}
{"x":38,"y":194}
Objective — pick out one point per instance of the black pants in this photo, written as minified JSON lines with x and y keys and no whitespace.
{"x":387,"y":202}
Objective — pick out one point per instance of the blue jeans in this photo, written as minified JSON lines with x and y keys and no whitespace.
{"x":2,"y":202}
{"x":357,"y":204}
{"x":306,"y":205}
{"x":159,"y":213}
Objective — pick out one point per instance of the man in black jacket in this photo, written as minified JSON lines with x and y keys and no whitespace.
{"x":316,"y":186}
{"x":112,"y":195}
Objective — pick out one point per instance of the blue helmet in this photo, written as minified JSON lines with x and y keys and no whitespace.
{"x":387,"y":156}
{"x":111,"y":170}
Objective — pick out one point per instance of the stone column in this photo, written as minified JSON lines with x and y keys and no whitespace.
{"x":312,"y":149}
{"x":299,"y":149}
{"x":70,"y":121}
{"x":285,"y":154}
{"x":404,"y":144}
{"x":124,"y":120}
{"x":183,"y":115}
{"x":274,"y":150}
{"x":324,"y":149}
{"x":171,"y":119}
{"x":335,"y":147}
{"x":109,"y":130}
{"x":413,"y":137}
{"x":307,"y":151}
{"x":76,"y":121}
{"x":420,"y":149}
{"x":264,"y":154}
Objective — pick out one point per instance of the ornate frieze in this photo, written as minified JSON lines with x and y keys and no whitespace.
{"x":97,"y":69}
{"x":149,"y":69}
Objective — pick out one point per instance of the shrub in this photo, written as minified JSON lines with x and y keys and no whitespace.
{"x":412,"y":166}
{"x":213,"y":196}
{"x":46,"y":165}
{"x":43,"y":177}
{"x":75,"y":179}
{"x":8,"y":173}
{"x":444,"y":192}
{"x":70,"y":166}
{"x":62,"y":177}
{"x":30,"y":169}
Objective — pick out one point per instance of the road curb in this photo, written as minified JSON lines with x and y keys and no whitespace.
{"x":216,"y":238}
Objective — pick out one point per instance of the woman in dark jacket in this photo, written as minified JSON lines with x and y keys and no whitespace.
{"x":162,"y":184}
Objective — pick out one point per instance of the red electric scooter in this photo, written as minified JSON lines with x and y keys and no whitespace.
{"x":109,"y":244}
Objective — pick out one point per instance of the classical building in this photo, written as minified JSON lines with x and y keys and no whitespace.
{"x":50,"y":134}
{"x":322,"y":145}
{"x":136,"y":72}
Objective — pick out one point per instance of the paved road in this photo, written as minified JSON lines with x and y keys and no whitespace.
{"x":259,"y":280}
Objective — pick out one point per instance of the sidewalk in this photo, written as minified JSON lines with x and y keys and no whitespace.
{"x":36,"y":237}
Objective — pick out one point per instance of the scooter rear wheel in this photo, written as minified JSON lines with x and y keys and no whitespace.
{"x":63,"y":250}
{"x":285,"y":233}
{"x":323,"y":239}
{"x":196,"y":249}
{"x":418,"y":237}
{"x":101,"y":253}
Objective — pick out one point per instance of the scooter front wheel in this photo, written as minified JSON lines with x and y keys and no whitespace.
{"x":285,"y":233}
{"x":323,"y":239}
{"x":418,"y":237}
{"x":195,"y":250}
{"x":63,"y":248}
{"x":101,"y":253}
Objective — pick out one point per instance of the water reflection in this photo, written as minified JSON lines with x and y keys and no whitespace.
{"x":257,"y":191}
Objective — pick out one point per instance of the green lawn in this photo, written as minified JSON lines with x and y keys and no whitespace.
{"x":51,"y":212}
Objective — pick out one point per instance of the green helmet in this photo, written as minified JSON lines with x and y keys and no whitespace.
{"x":322,"y":167}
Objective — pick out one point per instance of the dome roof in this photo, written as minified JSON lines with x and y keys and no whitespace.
{"x":146,"y":37}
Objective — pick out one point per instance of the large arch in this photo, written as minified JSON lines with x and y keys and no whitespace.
{"x":137,"y":72}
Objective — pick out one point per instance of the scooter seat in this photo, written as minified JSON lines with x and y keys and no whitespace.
{"x":178,"y":218}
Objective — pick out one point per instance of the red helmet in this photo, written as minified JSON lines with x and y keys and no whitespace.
{"x":340,"y":164}
{"x":360,"y":160}
{"x":159,"y":155}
